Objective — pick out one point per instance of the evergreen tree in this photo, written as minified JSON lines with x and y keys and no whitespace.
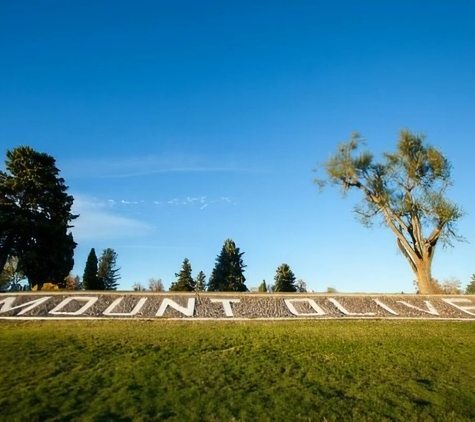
{"x":200,"y":282}
{"x":35,"y":217}
{"x":90,"y":280}
{"x":284,"y":279}
{"x":184,"y":282}
{"x":263,"y":286}
{"x":470,"y":290}
{"x":107,"y":269}
{"x":4,"y":280}
{"x":228,"y":271}
{"x":78,"y":283}
{"x":44,"y":261}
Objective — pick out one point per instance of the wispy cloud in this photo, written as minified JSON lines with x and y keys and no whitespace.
{"x":120,"y":167}
{"x":202,"y":201}
{"x":110,"y":208}
{"x":154,"y":247}
{"x":98,"y":221}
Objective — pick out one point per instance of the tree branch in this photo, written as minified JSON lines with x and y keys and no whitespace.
{"x":418,"y":238}
{"x":385,"y":210}
{"x":400,"y":237}
{"x":434,"y":236}
{"x":407,"y":255}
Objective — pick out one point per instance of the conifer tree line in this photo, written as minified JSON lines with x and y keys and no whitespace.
{"x":228,"y":275}
{"x":470,"y":290}
{"x":102,"y":274}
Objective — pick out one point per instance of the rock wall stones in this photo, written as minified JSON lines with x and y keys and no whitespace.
{"x":230,"y":306}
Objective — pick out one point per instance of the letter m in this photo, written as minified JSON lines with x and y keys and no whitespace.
{"x":8,"y":302}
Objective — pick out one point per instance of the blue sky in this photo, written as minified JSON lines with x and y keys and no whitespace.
{"x":178,"y":124}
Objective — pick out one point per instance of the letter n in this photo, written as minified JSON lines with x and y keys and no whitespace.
{"x":189,"y":310}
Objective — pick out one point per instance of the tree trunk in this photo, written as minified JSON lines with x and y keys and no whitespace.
{"x":424,"y":277}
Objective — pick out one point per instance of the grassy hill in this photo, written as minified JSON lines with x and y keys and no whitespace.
{"x":228,"y":371}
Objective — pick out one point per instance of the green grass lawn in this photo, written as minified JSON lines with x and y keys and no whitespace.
{"x":249,"y":371}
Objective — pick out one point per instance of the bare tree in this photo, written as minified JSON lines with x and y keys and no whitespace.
{"x":301,"y":286}
{"x":452,"y":286}
{"x":138,"y":287}
{"x":155,"y":285}
{"x":72,"y":282}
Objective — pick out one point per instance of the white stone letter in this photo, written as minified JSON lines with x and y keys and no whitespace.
{"x":133,"y":312}
{"x":342,"y":309}
{"x":311,"y":302}
{"x":226,"y":305}
{"x":385,"y":307}
{"x":462,"y":308}
{"x":7,"y":304}
{"x":188,"y":311}
{"x":88,"y":299}
{"x":430,"y":307}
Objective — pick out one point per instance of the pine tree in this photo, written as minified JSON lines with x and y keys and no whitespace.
{"x":200,"y":282}
{"x":228,"y":271}
{"x":284,"y":279}
{"x":90,"y":280}
{"x":35,"y":217}
{"x":4,"y":279}
{"x":470,"y":290}
{"x":78,"y":283}
{"x":263,"y":286}
{"x":107,"y":269}
{"x":184,"y":282}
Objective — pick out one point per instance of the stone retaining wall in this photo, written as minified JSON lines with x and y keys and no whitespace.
{"x":45,"y":305}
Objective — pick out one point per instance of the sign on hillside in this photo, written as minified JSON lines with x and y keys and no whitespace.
{"x":230,"y":306}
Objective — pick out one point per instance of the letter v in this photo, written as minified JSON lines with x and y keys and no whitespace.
{"x":431,"y":310}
